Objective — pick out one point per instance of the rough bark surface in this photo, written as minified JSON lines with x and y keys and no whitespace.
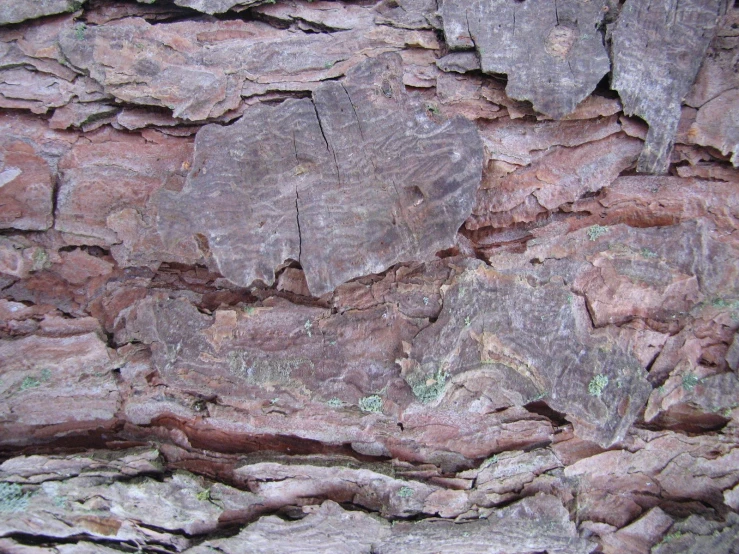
{"x":380,"y":276}
{"x":552,"y":52}
{"x":348,"y":183}
{"x":658,"y":48}
{"x":15,"y":12}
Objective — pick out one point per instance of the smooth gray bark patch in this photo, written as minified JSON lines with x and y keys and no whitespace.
{"x":534,"y":524}
{"x":15,"y":11}
{"x":552,"y":52}
{"x":534,"y":343}
{"x":657,"y":50}
{"x":240,"y":196}
{"x":408,"y":14}
{"x":348,"y":184}
{"x":202,"y":70}
{"x":218,"y":6}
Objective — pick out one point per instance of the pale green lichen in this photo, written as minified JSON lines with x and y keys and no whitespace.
{"x":371,"y":404}
{"x":30,"y":383}
{"x":731,"y":305}
{"x":335,"y":403}
{"x":647,"y":253}
{"x":79,"y":31}
{"x":405,"y":492}
{"x":690,"y":380}
{"x":12,"y":498}
{"x":596,"y":231}
{"x":429,"y":390}
{"x":672,"y":537}
{"x":539,"y":396}
{"x":40,"y":259}
{"x":597,"y":385}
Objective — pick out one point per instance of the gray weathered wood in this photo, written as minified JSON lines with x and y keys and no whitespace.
{"x":658,"y":47}
{"x":348,"y":184}
{"x":15,"y":11}
{"x":534,"y":343}
{"x":552,"y":52}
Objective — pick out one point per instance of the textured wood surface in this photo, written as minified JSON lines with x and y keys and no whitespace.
{"x":13,"y":11}
{"x":529,"y":342}
{"x":340,"y":275}
{"x":350,"y":183}
{"x":552,"y":52}
{"x":658,"y":48}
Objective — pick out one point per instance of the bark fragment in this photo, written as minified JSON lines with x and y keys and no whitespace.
{"x":552,"y":52}
{"x":401,"y":196}
{"x":657,"y":50}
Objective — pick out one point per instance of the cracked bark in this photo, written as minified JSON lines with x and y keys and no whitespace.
{"x":354,"y":296}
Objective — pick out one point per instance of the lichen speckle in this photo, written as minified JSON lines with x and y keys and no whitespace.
{"x":29,"y":383}
{"x":371,"y":404}
{"x":689,"y":381}
{"x":596,"y":231}
{"x":405,"y":492}
{"x":12,"y":498}
{"x":597,"y":385}
{"x":429,"y":390}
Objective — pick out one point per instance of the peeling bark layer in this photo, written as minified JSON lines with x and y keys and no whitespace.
{"x":347,"y":184}
{"x":552,"y":52}
{"x":658,"y":48}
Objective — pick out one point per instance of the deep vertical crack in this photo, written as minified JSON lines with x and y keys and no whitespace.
{"x":56,"y":186}
{"x":356,"y":115}
{"x":297,"y":218}
{"x":325,"y":139}
{"x":297,"y":199}
{"x":469,"y":31}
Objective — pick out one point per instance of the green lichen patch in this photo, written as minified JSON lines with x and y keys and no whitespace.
{"x":672,"y":537}
{"x":597,"y":385}
{"x":690,"y":380}
{"x":596,"y":231}
{"x":429,"y":390}
{"x":647,"y":253}
{"x":30,"y":383}
{"x":371,"y":404}
{"x":405,"y":492}
{"x":40,"y":259}
{"x":79,"y":31}
{"x":12,"y":498}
